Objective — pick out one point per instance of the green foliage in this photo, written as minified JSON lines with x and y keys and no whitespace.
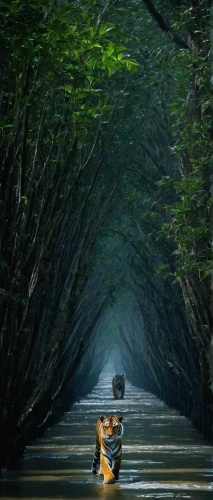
{"x":189,"y":225}
{"x":57,"y":48}
{"x":189,"y":216}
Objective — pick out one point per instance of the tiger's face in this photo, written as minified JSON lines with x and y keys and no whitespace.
{"x":111,"y":428}
{"x":119,"y":381}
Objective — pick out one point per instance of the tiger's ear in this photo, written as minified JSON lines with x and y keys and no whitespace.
{"x":120,"y":418}
{"x":102,"y":417}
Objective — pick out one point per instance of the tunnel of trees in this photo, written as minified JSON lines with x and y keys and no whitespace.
{"x":106,"y":206}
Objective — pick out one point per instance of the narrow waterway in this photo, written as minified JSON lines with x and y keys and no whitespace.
{"x":163,"y":456}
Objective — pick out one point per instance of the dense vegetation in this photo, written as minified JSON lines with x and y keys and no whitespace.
{"x":106,"y":210}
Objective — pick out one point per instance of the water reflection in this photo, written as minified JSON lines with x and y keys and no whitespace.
{"x":109,"y":491}
{"x":163,"y":456}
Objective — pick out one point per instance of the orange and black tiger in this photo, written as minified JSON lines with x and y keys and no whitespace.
{"x":108,"y":452}
{"x":118,"y":386}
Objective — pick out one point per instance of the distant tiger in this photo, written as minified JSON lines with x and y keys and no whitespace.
{"x":118,"y":386}
{"x":108,"y":450}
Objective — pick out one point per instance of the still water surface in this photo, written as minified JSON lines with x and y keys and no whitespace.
{"x":163,"y":456}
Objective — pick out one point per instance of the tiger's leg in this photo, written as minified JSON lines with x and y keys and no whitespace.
{"x":114,"y":391}
{"x":96,"y":459}
{"x":116,"y":467}
{"x":101,"y":471}
{"x":106,"y":471}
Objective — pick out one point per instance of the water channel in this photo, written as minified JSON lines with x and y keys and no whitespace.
{"x":163,"y":455}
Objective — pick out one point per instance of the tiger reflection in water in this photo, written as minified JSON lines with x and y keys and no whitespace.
{"x":118,"y":386}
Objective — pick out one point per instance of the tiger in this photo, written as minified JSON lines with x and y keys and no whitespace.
{"x":118,"y":386}
{"x":108,"y":452}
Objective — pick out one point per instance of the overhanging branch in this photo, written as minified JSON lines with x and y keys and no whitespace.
{"x":163,"y":26}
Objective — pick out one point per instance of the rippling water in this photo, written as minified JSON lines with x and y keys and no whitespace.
{"x":163,"y":456}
